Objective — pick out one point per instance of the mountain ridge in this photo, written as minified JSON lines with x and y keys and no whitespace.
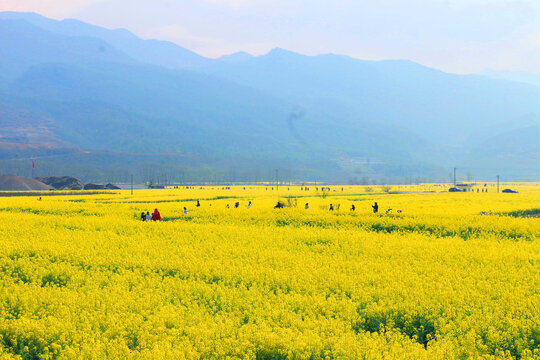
{"x":157,"y":52}
{"x":313,"y":115}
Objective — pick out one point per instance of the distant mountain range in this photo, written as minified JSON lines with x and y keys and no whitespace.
{"x":103,"y":104}
{"x":520,"y":76}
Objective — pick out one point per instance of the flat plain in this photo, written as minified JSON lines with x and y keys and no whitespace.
{"x":439,"y":276}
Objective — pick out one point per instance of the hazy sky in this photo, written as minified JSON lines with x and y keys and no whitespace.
{"x":454,"y":35}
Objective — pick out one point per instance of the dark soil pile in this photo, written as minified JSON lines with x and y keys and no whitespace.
{"x":62,"y":182}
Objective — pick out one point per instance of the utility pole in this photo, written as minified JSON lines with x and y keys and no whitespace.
{"x":497,"y":183}
{"x":455,"y":177}
{"x":277,"y":179}
{"x":131,"y":184}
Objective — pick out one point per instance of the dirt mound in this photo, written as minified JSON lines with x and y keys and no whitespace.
{"x":62,"y":182}
{"x":18,"y":183}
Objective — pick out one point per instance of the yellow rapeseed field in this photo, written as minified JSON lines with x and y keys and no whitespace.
{"x":440,"y":276}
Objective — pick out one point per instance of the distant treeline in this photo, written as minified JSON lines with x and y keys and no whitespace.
{"x":52,"y":193}
{"x":111,"y":167}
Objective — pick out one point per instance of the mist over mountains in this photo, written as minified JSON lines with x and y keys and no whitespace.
{"x":103,"y":104}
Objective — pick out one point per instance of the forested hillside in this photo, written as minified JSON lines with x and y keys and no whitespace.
{"x":99,"y":103}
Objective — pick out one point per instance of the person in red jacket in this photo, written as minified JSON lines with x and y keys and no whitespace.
{"x":156,"y":216}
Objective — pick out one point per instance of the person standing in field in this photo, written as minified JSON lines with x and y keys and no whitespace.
{"x":331,"y":207}
{"x":185,"y":210}
{"x":307,"y":206}
{"x":148,"y":216}
{"x":156,"y":216}
{"x":375,"y":208}
{"x":143,"y":216}
{"x":249,"y":205}
{"x":279,"y":205}
{"x":198,"y":203}
{"x":353,"y":207}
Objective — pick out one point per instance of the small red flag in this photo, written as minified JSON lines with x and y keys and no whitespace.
{"x":33,"y":165}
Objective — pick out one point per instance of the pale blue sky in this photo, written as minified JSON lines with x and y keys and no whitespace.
{"x":460,"y":36}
